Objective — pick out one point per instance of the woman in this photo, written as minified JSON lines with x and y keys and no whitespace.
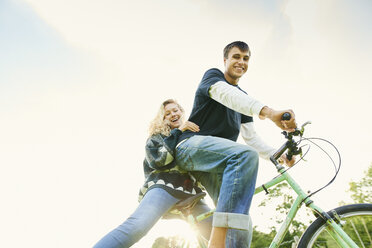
{"x":165,"y":184}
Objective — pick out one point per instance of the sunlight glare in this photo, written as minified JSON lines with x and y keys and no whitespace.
{"x":169,"y":228}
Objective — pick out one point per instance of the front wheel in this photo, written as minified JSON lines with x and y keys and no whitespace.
{"x":356,"y":220}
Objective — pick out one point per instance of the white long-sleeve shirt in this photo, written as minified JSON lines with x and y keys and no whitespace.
{"x":237,"y":100}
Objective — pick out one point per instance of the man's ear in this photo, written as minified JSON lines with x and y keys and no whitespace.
{"x":224,"y":61}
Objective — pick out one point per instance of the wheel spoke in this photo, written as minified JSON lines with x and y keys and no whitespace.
{"x":357,"y":233}
{"x":366,"y":229}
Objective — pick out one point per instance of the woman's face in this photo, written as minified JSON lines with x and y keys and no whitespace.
{"x":173,"y":114}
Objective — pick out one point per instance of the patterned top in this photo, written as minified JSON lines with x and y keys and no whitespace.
{"x":162,"y":172}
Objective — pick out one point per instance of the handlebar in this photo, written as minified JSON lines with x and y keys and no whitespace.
{"x":290,"y":145}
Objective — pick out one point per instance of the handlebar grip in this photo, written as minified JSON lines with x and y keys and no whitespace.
{"x":286,"y":116}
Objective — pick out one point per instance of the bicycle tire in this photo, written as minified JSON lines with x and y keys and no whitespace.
{"x":357,"y":223}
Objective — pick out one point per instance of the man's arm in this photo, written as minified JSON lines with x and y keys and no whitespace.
{"x":252,"y":139}
{"x":265,"y":151}
{"x":237,"y":100}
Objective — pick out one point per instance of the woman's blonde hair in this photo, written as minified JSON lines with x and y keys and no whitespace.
{"x":158,"y":124}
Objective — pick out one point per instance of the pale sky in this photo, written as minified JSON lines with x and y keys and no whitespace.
{"x":81,"y":80}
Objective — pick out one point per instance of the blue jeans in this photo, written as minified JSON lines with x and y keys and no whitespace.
{"x":228,"y":171}
{"x":153,"y":206}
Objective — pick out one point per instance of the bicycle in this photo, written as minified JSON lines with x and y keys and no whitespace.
{"x":345,"y":226}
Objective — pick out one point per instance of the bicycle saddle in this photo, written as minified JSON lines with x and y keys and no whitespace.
{"x":190,"y":202}
{"x":183,"y":207}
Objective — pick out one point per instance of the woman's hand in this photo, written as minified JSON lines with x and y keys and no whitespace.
{"x":188,"y":125}
{"x":284,"y":159}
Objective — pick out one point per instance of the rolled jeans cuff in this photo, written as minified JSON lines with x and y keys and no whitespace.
{"x":231,"y":220}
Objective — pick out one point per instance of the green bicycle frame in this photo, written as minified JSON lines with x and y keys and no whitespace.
{"x":333,"y":228}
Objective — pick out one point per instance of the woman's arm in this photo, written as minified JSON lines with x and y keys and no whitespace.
{"x":160,"y":150}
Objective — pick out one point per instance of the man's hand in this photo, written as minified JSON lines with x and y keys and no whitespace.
{"x":284,"y":160}
{"x":276,"y":117}
{"x":188,"y":125}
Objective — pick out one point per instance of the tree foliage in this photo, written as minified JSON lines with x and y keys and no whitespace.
{"x":261,"y":239}
{"x":361,"y":192}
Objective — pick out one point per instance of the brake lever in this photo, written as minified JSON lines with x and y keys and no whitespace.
{"x":293,"y":150}
{"x":303,"y":127}
{"x":296,"y":132}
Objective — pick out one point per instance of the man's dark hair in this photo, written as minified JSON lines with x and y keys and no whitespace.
{"x":239,"y":44}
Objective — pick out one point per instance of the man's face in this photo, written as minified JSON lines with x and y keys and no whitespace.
{"x":236,"y":64}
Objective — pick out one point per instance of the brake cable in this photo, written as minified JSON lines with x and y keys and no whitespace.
{"x":337,"y":169}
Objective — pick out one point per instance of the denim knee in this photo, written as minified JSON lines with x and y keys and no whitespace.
{"x":251,"y":156}
{"x":247,"y":156}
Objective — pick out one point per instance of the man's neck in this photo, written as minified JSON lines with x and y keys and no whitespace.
{"x":231,"y":80}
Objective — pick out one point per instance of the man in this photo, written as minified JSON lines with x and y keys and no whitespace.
{"x":228,"y":170}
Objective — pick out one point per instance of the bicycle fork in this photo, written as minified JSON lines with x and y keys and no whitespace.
{"x":334,"y":229}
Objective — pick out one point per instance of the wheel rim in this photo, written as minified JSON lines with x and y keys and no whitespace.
{"x":358,"y":225}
